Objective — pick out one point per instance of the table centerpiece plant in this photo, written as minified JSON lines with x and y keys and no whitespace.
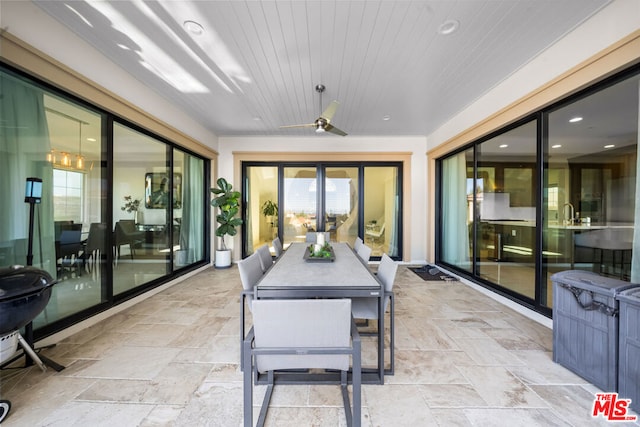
{"x":320,"y":251}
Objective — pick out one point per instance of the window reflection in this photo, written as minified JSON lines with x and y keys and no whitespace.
{"x":591,"y":181}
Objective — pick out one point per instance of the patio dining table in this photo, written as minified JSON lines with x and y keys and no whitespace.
{"x":292,"y":276}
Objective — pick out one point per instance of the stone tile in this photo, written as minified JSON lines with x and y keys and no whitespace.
{"x":487,"y":352}
{"x":462,"y":359}
{"x":428,"y":367}
{"x":398,"y":405}
{"x":173,"y":385}
{"x":451,"y":396}
{"x":498,"y":387}
{"x":573,"y":404}
{"x":500,"y":417}
{"x":541,"y":369}
{"x":128,"y":362}
{"x":79,"y":414}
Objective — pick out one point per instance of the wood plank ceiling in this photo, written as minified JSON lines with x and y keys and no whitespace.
{"x":255,"y":64}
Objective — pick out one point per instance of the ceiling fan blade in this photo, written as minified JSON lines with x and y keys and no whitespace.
{"x":333,"y":129}
{"x":298,"y":126}
{"x":328,"y":113}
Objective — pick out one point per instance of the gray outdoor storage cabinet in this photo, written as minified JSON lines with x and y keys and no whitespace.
{"x":629,"y":355}
{"x":585,"y":325}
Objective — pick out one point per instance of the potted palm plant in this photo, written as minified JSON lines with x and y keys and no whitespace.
{"x":270,"y":211}
{"x":228,"y":203}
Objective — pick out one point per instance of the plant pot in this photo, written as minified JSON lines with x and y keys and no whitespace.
{"x":223,"y":258}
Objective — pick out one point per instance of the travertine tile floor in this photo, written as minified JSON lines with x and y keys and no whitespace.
{"x":462,"y":359}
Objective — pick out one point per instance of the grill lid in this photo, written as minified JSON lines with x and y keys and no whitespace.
{"x":19,"y":282}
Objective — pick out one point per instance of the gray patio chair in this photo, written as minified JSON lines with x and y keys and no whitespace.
{"x":358,"y":244}
{"x":277,"y":246}
{"x":266,"y":261}
{"x":250,"y":272}
{"x":302,"y":334}
{"x":312,"y":236}
{"x":367,"y":308}
{"x":364,"y":253}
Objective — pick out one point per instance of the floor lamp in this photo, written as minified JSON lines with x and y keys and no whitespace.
{"x":33,"y":196}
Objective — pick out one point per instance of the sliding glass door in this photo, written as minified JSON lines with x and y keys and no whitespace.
{"x":300,"y":203}
{"x":341,"y":203}
{"x":348,"y":201}
{"x":262,"y":210}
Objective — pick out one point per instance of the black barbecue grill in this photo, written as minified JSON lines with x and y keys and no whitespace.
{"x":24,"y":293}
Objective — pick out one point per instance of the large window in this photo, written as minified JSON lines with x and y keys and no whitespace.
{"x":68,"y":189}
{"x":592,"y":167}
{"x":555,"y":193}
{"x":505,"y":210}
{"x":348,"y":201}
{"x":100,"y":249}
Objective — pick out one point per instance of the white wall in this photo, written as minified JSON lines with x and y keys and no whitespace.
{"x":614,"y":22}
{"x":347,"y":144}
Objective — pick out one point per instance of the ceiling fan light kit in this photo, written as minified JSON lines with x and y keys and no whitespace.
{"x":323,"y":123}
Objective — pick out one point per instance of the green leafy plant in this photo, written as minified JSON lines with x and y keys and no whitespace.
{"x":269,"y":208}
{"x":228,"y":202}
{"x":130,"y":204}
{"x":326,"y":251}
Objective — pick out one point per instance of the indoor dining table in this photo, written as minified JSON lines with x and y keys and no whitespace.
{"x":293,"y":276}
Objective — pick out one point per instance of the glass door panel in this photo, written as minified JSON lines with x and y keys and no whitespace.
{"x":262,"y":207}
{"x":381,"y":210}
{"x":457,"y":210}
{"x":188,"y":209}
{"x":506,"y":210}
{"x":300,"y":203}
{"x":591,"y":181}
{"x":341,"y":204}
{"x":143,"y":197}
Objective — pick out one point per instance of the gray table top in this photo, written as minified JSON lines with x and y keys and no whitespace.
{"x":292,"y":271}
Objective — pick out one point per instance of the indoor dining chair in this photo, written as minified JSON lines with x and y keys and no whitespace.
{"x":367,"y":308}
{"x":250,"y":273}
{"x":302,"y":334}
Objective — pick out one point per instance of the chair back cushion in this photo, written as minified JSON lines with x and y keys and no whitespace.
{"x":387,"y":272}
{"x":364,"y":253}
{"x":359,"y":242}
{"x":265,"y":257}
{"x":299,"y":323}
{"x":250,"y":271}
{"x":277,"y":246}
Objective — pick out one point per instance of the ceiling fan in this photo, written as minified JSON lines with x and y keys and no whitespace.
{"x":323,"y":123}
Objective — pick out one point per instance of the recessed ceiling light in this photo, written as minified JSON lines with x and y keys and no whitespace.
{"x":504,"y":145}
{"x":91,"y":139}
{"x":193,"y":27}
{"x":609,"y":146}
{"x":448,"y":27}
{"x":575,"y":120}
{"x":257,"y":119}
{"x":556,"y":146}
{"x":386,"y":118}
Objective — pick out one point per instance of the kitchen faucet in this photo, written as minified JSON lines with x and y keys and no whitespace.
{"x":571,"y":211}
